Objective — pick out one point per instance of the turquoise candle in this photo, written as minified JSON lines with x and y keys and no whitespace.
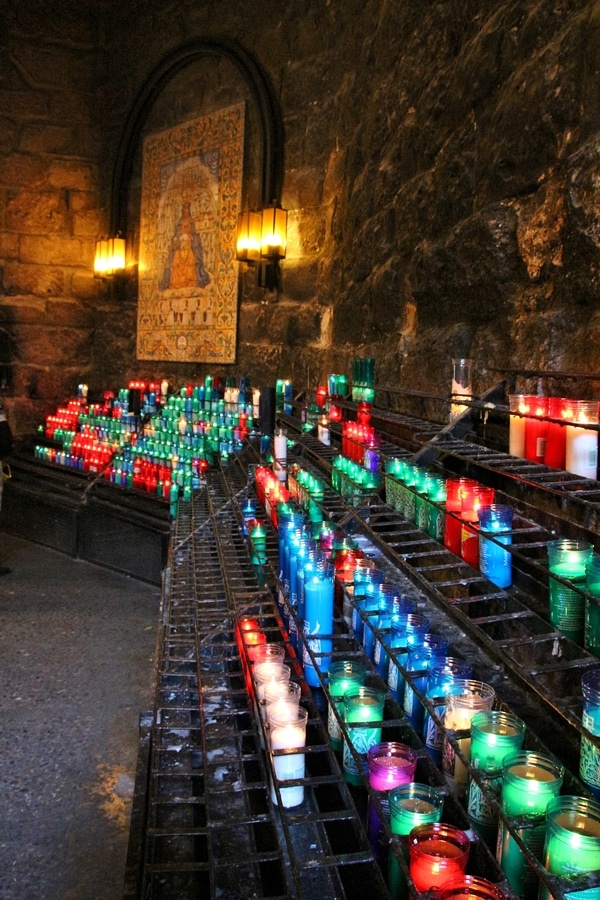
{"x":572,"y":843}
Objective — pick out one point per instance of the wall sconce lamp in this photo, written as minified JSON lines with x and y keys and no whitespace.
{"x":262,"y":242}
{"x":109,"y":258}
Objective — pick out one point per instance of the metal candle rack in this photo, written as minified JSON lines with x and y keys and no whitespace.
{"x":203,"y":820}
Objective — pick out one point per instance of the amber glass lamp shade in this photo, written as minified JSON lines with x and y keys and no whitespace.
{"x":274,"y":233}
{"x":109,"y":257}
{"x":247,"y":248}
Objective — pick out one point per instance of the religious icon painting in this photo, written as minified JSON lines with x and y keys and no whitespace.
{"x":191,"y":194}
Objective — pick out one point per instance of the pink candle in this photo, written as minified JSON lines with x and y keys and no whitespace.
{"x":390,"y":764}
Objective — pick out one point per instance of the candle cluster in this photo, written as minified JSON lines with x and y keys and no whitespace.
{"x":555,"y":431}
{"x":148,"y":439}
{"x":282,"y":720}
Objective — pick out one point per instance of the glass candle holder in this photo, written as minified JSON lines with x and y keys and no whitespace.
{"x":461,"y":385}
{"x":406,"y":630}
{"x":518,"y":403}
{"x":495,"y":562}
{"x":437,"y":853}
{"x":568,"y":559}
{"x":419,"y":659}
{"x":556,"y":443}
{"x":363,"y":709}
{"x":441,"y":676}
{"x":572,"y":843}
{"x":343,"y":676}
{"x":591,"y":630}
{"x":529,"y":782}
{"x":257,"y":535}
{"x":400,"y":605}
{"x":410,"y":805}
{"x":288,"y":732}
{"x":589,"y":759}
{"x":471,"y":697}
{"x":494,"y":736}
{"x":390,"y":764}
{"x":318,"y":622}
{"x":452,"y":522}
{"x":471,"y":502}
{"x":281,"y":697}
{"x":536,"y":430}
{"x":436,"y":497}
{"x":581,"y":454}
{"x":471,"y":887}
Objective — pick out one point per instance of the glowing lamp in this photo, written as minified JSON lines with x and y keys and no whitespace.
{"x":249,"y":229}
{"x":109,"y":258}
{"x":273,"y":241}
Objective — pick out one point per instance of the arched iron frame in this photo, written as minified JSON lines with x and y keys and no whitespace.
{"x":270,"y":125}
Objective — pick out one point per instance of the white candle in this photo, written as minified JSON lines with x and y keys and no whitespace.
{"x":164,"y":387}
{"x":323,"y":433}
{"x":582,"y":443}
{"x":280,"y":455}
{"x":182,"y":425}
{"x":516,"y":430}
{"x":289,"y":735}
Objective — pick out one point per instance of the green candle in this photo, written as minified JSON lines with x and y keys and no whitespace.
{"x":572,"y":841}
{"x":530,"y":781}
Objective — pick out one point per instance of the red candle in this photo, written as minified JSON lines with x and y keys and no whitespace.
{"x":536,"y":430}
{"x":472,"y":499}
{"x":452,"y":523}
{"x":556,"y":441}
{"x":438,"y":852}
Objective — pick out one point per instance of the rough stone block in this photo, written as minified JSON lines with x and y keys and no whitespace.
{"x":39,"y":280}
{"x":37,"y":213}
{"x":60,"y":250}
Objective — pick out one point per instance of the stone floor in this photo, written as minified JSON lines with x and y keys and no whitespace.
{"x":77,"y":664}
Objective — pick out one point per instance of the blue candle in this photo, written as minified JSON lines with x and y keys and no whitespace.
{"x":440,"y":677}
{"x":419,"y":659}
{"x":407,"y":630}
{"x":495,"y":562}
{"x":318,"y":622}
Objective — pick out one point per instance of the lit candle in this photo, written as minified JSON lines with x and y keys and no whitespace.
{"x":568,"y":559}
{"x":556,"y":444}
{"x":518,"y":403}
{"x":529,"y":782}
{"x":581,"y":457}
{"x":438,"y":852}
{"x":410,"y":805}
{"x":390,"y":764}
{"x":474,"y":696}
{"x":572,"y":843}
{"x":494,"y":736}
{"x":318,"y":622}
{"x":536,"y":430}
{"x":323,"y":431}
{"x":441,"y":675}
{"x":495,"y":562}
{"x":288,"y":732}
{"x":361,"y":705}
{"x":280,"y":454}
{"x":343,"y":675}
{"x":471,"y":887}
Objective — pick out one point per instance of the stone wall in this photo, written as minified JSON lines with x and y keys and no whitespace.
{"x":441,"y":168}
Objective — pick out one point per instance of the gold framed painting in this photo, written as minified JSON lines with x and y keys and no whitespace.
{"x":188,"y":274}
